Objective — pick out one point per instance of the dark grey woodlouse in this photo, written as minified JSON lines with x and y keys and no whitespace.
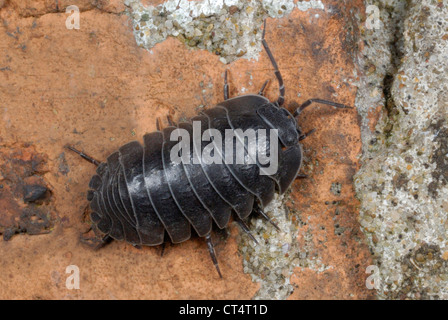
{"x":139,"y":194}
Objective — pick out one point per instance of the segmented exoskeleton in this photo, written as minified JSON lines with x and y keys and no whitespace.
{"x":140,"y":194}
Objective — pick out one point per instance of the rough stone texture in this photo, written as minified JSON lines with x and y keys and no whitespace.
{"x":25,"y":198}
{"x":403,"y":182}
{"x":96,"y":89}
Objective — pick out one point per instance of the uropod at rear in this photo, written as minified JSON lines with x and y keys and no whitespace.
{"x":140,"y":193}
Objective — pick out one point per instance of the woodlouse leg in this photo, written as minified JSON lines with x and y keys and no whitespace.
{"x":266,"y":217}
{"x":245,"y":228}
{"x":211,"y":250}
{"x":163,"y":249}
{"x":326,"y":102}
{"x":281,"y":98}
{"x":171,"y":121}
{"x":104,"y":241}
{"x":306,"y":135}
{"x":158,"y":124}
{"x":302,"y":176}
{"x":88,"y":230}
{"x":261,"y":92}
{"x":88,"y":241}
{"x":84,"y":156}
{"x":226,"y":87}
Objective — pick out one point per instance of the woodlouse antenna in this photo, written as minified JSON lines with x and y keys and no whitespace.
{"x":326,"y":102}
{"x":281,"y":98}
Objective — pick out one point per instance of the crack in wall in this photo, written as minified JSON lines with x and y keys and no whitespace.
{"x":406,"y":73}
{"x":379,"y":62}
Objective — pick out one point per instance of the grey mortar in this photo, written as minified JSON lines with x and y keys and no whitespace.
{"x":402,"y":184}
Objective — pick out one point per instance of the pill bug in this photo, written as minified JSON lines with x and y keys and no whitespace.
{"x":140,"y":195}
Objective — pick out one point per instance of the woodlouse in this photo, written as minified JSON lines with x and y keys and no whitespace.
{"x":139,"y":194}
